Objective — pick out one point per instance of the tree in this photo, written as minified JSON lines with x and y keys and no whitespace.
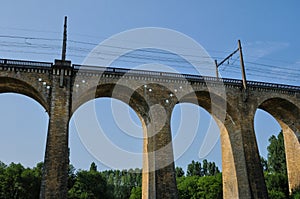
{"x":264,"y":164}
{"x":121,"y":183}
{"x":136,"y":193}
{"x":212,"y":169}
{"x":30,"y":183}
{"x":93,"y":167}
{"x":277,"y":185}
{"x":89,"y":184}
{"x":210,"y":187}
{"x":12,"y":182}
{"x":18,"y":182}
{"x":187,"y":187}
{"x":71,"y":176}
{"x":295,"y":194}
{"x":275,"y":168}
{"x":205,"y":168}
{"x":194,"y":169}
{"x":276,"y":154}
{"x":194,"y":187}
{"x":179,"y":172}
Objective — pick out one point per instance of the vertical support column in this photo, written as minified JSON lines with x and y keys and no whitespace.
{"x":292,"y":152}
{"x":241,"y":167}
{"x":234,"y":170}
{"x":159,"y":178}
{"x":55,"y":173}
{"x":252,"y":158}
{"x":148,"y":178}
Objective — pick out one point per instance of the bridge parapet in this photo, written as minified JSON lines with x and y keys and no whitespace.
{"x":27,"y":77}
{"x":192,"y":79}
{"x":26,"y":66}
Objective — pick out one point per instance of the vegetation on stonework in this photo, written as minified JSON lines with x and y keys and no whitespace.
{"x":201,"y":180}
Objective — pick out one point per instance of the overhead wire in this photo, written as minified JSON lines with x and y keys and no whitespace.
{"x":140,"y":56}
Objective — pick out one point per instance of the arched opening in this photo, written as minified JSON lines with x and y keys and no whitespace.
{"x":118,"y":121}
{"x":12,"y":85}
{"x":24,"y":124}
{"x":270,"y":145}
{"x":234,"y":180}
{"x":195,"y":125}
{"x":206,"y":144}
{"x":107,"y":132}
{"x":277,"y":132}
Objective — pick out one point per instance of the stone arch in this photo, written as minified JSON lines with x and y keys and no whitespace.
{"x":136,"y":99}
{"x":124,"y":94}
{"x":132,"y":98}
{"x":226,"y":117}
{"x":11,"y":85}
{"x":287,"y":114}
{"x":284,"y":111}
{"x":111,"y":125}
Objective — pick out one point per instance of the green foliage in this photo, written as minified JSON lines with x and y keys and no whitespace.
{"x":276,"y":154}
{"x":194,"y":169}
{"x":264,"y":164}
{"x":93,"y":167}
{"x":296,"y":194}
{"x":136,"y":193}
{"x":71,"y":176}
{"x":18,"y":182}
{"x":277,"y":185}
{"x":210,"y":187}
{"x":201,"y":180}
{"x":208,"y":169}
{"x":88,"y":184}
{"x":275,"y":168}
{"x":121,"y":183}
{"x":194,"y":187}
{"x":179,"y":172}
{"x":187,"y":186}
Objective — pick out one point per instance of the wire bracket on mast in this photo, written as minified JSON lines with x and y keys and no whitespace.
{"x":244,"y":80}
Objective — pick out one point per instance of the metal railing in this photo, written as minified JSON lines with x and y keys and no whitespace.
{"x":23,"y":63}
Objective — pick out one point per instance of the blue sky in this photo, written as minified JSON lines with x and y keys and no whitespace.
{"x":269,"y":32}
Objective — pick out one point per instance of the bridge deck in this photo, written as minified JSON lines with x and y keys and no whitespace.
{"x":24,"y":64}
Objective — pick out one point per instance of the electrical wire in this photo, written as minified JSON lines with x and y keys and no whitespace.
{"x":140,"y":56}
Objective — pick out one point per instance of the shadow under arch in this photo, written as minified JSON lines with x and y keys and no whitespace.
{"x":225,"y":116}
{"x":12,"y":85}
{"x":287,"y":115}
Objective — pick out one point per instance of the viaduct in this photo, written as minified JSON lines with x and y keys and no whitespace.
{"x":61,"y":88}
